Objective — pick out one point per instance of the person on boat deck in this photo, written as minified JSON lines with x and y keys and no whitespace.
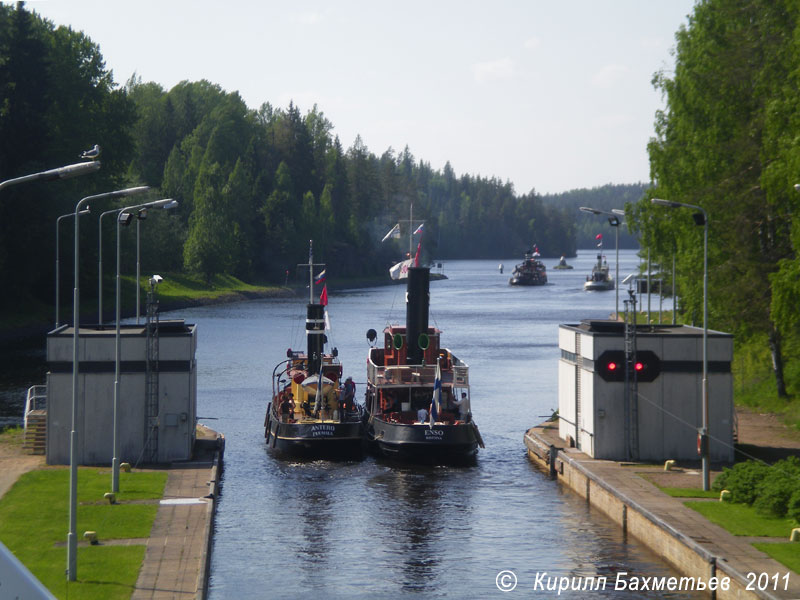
{"x":306,"y":406}
{"x":463,"y":407}
{"x":349,"y":392}
{"x":287,"y":407}
{"x":422,"y":415}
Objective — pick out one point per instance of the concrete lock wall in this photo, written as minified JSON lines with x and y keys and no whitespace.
{"x":683,"y":553}
{"x":177,"y":394}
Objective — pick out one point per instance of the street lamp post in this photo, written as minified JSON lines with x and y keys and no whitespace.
{"x":100,"y":266}
{"x":614,"y":221}
{"x":53,"y":174}
{"x":124,"y":217}
{"x":72,"y":540}
{"x":704,"y":442}
{"x":141,"y":215}
{"x":58,"y":269}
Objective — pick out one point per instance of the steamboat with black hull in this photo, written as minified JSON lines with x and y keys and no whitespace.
{"x":531,"y":271}
{"x":417,"y":400}
{"x":313,"y":414}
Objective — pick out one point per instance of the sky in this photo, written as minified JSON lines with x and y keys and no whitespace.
{"x":551,"y":95}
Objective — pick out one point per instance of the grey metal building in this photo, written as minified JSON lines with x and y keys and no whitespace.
{"x":158,"y":393}
{"x":659,"y":420}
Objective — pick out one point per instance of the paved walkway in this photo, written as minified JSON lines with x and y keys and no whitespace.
{"x":687,"y":525}
{"x":176,"y":558}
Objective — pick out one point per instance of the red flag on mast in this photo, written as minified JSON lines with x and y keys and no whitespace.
{"x":416,"y":256}
{"x":323,"y":297}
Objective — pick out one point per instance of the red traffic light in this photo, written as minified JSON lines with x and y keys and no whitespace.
{"x":645,"y":366}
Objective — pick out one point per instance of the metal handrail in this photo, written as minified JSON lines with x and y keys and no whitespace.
{"x":36,"y":400}
{"x":419,"y":374}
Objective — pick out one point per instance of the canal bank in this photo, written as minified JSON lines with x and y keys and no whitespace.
{"x":697,"y":548}
{"x":177,"y":555}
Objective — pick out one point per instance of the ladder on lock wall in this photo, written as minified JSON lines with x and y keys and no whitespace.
{"x":631,"y":381}
{"x":151,"y":379}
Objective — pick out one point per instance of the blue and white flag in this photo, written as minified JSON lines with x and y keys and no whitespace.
{"x":437,"y":395}
{"x":419,"y":229}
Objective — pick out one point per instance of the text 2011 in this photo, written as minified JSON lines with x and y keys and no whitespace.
{"x":765,"y":581}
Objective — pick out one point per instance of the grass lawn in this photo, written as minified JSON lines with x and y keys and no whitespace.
{"x":13,"y":436}
{"x":179,"y":287}
{"x":689,"y":492}
{"x":741,"y":519}
{"x":34,"y":521}
{"x":787,"y":553}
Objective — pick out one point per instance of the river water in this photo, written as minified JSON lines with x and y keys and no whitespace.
{"x":374,"y":529}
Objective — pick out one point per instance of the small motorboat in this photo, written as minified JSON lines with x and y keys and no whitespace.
{"x":562,"y":264}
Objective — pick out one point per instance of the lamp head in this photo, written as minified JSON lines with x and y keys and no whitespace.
{"x":125,"y":218}
{"x":594,"y":211}
{"x":165,"y":203}
{"x":669,"y":203}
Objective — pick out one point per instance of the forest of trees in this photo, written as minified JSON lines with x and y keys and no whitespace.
{"x":728,"y":141}
{"x":253,"y":185}
{"x":605,"y":198}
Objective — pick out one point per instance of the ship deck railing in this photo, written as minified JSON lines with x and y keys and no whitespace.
{"x":423,"y":375}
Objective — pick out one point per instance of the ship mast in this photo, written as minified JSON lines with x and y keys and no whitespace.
{"x":311,"y":264}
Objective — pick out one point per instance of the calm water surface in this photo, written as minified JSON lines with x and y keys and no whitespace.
{"x":375,"y":529}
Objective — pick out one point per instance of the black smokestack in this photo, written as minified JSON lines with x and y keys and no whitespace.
{"x":315,"y":332}
{"x":417,"y":301}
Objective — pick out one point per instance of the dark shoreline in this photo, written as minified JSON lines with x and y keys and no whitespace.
{"x":32,"y":334}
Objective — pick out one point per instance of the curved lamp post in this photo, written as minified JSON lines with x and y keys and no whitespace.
{"x":700,"y":219}
{"x":53,"y":174}
{"x":72,"y":540}
{"x":58,"y":270}
{"x":614,"y":221}
{"x":124,"y":217}
{"x":100,"y":265}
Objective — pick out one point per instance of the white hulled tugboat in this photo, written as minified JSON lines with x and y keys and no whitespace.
{"x":309,"y":415}
{"x":600,"y":280}
{"x":531,"y":271}
{"x":417,"y":399}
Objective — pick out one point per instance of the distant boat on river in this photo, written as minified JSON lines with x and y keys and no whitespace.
{"x":531,"y":271}
{"x":600,"y":280}
{"x":562,"y":264}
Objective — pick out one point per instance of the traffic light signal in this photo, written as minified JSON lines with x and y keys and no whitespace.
{"x":611,"y":366}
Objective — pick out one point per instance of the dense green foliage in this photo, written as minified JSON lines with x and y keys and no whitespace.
{"x":56,"y":100}
{"x":771,"y":490}
{"x":605,"y":198}
{"x":728,"y":142}
{"x":253,"y":185}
